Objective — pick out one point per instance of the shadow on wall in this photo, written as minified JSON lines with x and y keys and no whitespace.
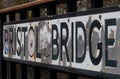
{"x":10,"y":3}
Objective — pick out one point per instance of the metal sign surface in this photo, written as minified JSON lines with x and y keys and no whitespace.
{"x":89,"y":42}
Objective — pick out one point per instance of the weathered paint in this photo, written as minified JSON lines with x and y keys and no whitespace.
{"x":89,"y":42}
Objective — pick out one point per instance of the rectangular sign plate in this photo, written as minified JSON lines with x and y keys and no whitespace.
{"x":87,"y":42}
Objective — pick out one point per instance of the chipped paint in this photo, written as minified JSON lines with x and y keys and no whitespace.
{"x":89,"y":42}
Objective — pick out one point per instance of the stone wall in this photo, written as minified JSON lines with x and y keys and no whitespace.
{"x":61,"y":8}
{"x":83,"y":5}
{"x":10,"y":3}
{"x":110,"y":3}
{"x":43,"y":12}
